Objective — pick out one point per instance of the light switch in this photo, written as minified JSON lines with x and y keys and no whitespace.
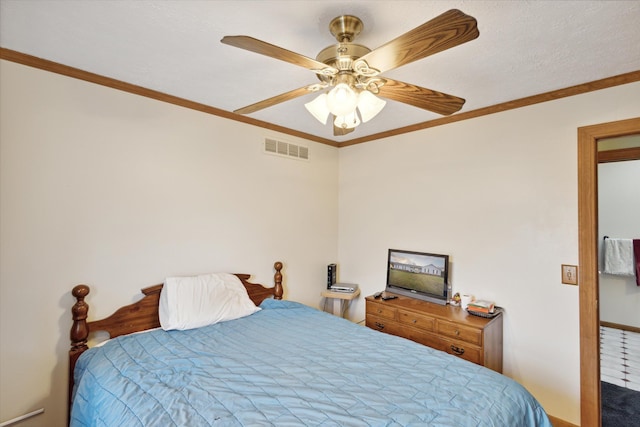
{"x":569,"y":274}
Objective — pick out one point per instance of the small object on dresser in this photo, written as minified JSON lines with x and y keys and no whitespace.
{"x":388,"y":297}
{"x":465,"y":299}
{"x":481,"y":306}
{"x":496,"y":311}
{"x":455,"y":300}
{"x":377,"y":295}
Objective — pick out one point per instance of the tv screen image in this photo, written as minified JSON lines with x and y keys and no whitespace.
{"x":418,"y":274}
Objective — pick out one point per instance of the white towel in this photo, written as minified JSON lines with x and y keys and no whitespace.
{"x":618,"y":257}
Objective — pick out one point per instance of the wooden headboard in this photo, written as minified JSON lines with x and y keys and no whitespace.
{"x":141,"y":315}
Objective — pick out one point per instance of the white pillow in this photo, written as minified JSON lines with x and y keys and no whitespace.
{"x":192,"y":302}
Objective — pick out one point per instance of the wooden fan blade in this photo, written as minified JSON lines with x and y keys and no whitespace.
{"x":420,"y":97}
{"x":287,"y":96}
{"x":272,"y":51}
{"x":448,"y":30}
{"x":338,"y":131}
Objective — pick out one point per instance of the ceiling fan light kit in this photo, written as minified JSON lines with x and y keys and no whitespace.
{"x":350,"y":73}
{"x":344,"y":104}
{"x":342,"y":100}
{"x":348,"y":121}
{"x":369,"y":105}
{"x":318,"y":108}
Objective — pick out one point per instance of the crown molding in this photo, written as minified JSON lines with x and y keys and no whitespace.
{"x":54,"y":67}
{"x":76,"y":73}
{"x":605,"y":83}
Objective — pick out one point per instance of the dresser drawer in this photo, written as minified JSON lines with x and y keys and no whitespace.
{"x":457,"y":348}
{"x":385,"y":325}
{"x":462,"y":350}
{"x":426,"y":323}
{"x":381,"y":310}
{"x":453,"y":330}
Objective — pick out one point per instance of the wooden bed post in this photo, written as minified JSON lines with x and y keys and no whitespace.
{"x":79,"y":332}
{"x":277,"y":279}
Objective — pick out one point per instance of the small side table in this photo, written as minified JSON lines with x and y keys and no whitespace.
{"x":340,"y":300}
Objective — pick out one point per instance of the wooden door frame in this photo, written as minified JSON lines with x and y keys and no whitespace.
{"x":588,"y":136}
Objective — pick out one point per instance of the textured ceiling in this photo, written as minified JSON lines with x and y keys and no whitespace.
{"x":525,"y":48}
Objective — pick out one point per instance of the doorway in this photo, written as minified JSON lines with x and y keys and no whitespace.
{"x":590,"y":397}
{"x":619,"y":295}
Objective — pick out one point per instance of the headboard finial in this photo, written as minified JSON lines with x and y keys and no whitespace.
{"x":277,"y":278}
{"x":79,"y":331}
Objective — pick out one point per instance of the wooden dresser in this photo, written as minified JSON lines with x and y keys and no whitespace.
{"x":443,"y":327}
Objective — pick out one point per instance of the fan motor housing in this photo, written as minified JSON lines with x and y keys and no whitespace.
{"x":341,"y":56}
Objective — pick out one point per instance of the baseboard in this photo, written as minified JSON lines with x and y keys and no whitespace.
{"x":557,"y":422}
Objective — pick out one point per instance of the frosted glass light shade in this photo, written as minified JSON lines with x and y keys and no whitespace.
{"x":348,"y":121}
{"x":342,"y":100}
{"x":369,"y":105}
{"x":318,"y":108}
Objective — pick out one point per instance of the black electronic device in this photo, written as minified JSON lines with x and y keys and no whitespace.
{"x":377,"y":295}
{"x":331,"y":275}
{"x":419,"y":275}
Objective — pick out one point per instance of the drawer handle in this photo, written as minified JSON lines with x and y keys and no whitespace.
{"x":457,"y":350}
{"x":415,"y":320}
{"x":379,"y":311}
{"x":379,"y":325}
{"x":457,"y":332}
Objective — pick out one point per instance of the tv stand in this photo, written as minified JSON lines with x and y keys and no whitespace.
{"x":443,"y":327}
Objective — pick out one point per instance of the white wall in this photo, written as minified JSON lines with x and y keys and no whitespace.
{"x":499,"y":195}
{"x":618,"y":208}
{"x":103,"y":187}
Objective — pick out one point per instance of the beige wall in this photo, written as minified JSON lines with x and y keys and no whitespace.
{"x":499,"y":195}
{"x":103,"y":187}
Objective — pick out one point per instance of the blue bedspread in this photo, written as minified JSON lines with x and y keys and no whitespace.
{"x":290,"y":365}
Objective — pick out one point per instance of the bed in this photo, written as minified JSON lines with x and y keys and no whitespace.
{"x":285,"y":365}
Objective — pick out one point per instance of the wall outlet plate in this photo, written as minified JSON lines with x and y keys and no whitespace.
{"x":569,"y":274}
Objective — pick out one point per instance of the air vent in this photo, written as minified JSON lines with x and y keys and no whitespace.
{"x":286,"y":149}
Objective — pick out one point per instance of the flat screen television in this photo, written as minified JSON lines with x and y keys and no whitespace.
{"x":419,"y":275}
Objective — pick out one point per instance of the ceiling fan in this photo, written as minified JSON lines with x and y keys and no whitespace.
{"x":350,"y":74}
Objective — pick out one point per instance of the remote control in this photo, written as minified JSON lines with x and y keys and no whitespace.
{"x":386,"y":297}
{"x":377,"y":295}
